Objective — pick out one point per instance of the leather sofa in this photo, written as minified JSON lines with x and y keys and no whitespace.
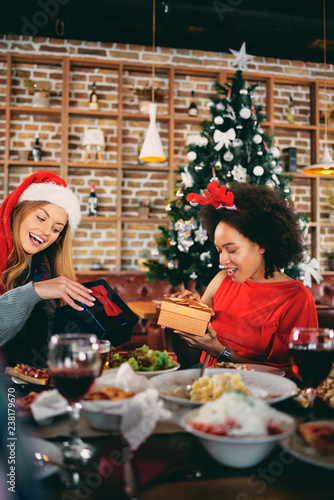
{"x":133,"y":286}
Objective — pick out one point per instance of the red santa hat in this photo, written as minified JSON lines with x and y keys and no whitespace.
{"x":40,"y":186}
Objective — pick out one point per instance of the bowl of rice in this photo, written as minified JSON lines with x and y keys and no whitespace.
{"x":237,"y":429}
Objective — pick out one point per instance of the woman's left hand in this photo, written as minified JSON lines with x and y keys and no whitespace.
{"x":208,"y":343}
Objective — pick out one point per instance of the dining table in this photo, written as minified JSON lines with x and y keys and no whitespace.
{"x":172,"y":464}
{"x":144,"y":309}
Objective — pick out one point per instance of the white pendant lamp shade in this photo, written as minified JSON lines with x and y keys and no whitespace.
{"x":324,"y":167}
{"x":152,"y":148}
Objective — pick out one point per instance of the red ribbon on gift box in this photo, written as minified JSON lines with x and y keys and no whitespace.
{"x":111,"y":309}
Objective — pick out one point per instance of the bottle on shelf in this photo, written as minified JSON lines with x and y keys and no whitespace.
{"x":140,"y":145}
{"x":92,"y":202}
{"x":291,"y":111}
{"x":93,"y":99}
{"x":36,"y":152}
{"x":193,"y":109}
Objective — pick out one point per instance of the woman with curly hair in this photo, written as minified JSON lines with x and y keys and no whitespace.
{"x":255,"y":304}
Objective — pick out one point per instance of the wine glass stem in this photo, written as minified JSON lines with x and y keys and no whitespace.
{"x":311,"y":394}
{"x":74,"y":413}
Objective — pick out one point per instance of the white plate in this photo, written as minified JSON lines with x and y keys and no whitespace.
{"x":268,"y":387}
{"x":19,"y":381}
{"x":37,"y":445}
{"x":297,"y":447}
{"x":259,"y":368}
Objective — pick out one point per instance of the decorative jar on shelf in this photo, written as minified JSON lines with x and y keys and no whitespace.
{"x":144,"y":208}
{"x":143,"y":211}
{"x":40,"y":100}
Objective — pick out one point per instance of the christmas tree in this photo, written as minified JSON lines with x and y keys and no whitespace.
{"x":232,"y":147}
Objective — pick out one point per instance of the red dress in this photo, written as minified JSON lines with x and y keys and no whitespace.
{"x":255,"y":319}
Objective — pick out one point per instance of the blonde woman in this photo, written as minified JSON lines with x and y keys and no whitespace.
{"x":36,"y":267}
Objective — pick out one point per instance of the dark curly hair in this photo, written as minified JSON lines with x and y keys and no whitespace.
{"x":264,"y":218}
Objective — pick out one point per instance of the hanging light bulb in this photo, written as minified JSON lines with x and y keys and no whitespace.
{"x":152,"y":148}
{"x":326,"y":165}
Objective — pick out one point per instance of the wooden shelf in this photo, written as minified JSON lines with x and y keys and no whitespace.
{"x":30,"y":163}
{"x":87,"y":218}
{"x":35,"y":110}
{"x":93,"y":113}
{"x":73,"y":164}
{"x":143,"y":117}
{"x":114,"y":166}
{"x":137,"y":218}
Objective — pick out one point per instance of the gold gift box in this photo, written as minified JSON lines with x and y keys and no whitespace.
{"x":186,"y":315}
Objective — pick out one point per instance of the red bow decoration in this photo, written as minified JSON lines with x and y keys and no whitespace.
{"x":215,"y":195}
{"x":110,"y":308}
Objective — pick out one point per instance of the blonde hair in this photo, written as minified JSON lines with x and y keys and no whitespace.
{"x":59,"y":254}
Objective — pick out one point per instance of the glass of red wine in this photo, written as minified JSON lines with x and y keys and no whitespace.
{"x":311,"y":355}
{"x":74,"y":361}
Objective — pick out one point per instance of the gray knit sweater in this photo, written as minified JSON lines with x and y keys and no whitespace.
{"x":15,"y":309}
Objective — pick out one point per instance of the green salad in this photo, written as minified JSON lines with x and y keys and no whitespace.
{"x":143,"y":359}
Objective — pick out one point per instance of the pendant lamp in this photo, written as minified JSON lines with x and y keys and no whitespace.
{"x":152,"y":148}
{"x":326,"y":165}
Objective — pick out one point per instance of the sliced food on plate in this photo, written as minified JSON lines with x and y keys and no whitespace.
{"x":319,"y":435}
{"x":29,"y":374}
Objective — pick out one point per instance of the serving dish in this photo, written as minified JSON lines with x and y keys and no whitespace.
{"x":266,"y":386}
{"x":239,"y":451}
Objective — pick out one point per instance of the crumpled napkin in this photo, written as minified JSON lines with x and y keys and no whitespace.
{"x":48,"y":405}
{"x":139,"y":414}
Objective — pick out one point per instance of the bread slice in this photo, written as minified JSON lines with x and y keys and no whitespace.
{"x":320,"y":435}
{"x":32,"y":380}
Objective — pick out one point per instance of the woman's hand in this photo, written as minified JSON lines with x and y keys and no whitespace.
{"x":185,"y":294}
{"x":209,"y":343}
{"x":66,"y":289}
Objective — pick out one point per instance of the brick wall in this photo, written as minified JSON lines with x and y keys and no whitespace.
{"x":96,"y":241}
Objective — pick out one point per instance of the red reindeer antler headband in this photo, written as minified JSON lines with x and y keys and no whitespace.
{"x":215,"y":195}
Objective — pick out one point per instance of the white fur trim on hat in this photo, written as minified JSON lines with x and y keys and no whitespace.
{"x":61,"y":196}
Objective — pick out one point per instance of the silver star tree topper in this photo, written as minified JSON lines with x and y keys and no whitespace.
{"x":241,"y":57}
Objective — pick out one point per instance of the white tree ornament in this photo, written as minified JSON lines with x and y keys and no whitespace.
{"x":257,"y":139}
{"x":275,"y":152}
{"x":223,"y":138}
{"x":219,"y":120}
{"x":187,"y":178}
{"x":201,"y":235}
{"x":309,"y":267}
{"x":245,"y":113}
{"x":258,"y":171}
{"x":191,"y":155}
{"x":239,"y":173}
{"x":228,"y":156}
